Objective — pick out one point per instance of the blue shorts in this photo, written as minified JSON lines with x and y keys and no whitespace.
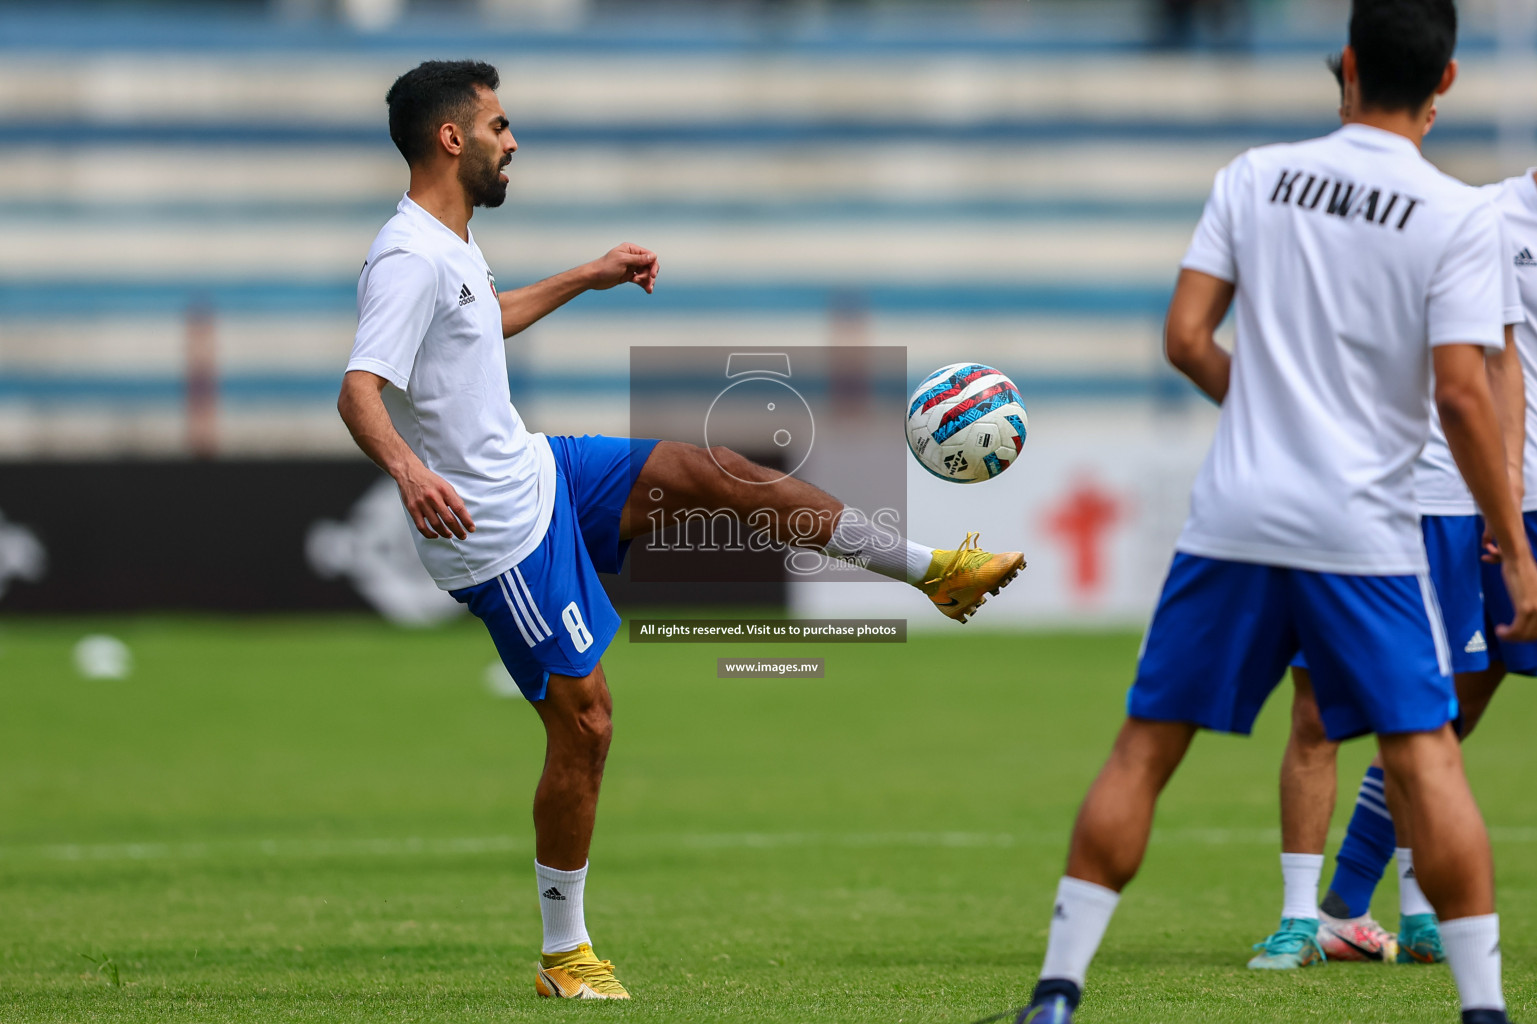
{"x":1224,"y":632}
{"x":1519,"y":658}
{"x":1453,"y":545}
{"x":549,"y":614}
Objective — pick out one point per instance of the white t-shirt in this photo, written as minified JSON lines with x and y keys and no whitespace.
{"x":1516,"y":199}
{"x":1352,"y":256}
{"x":1438,"y":484}
{"x":429,"y":323}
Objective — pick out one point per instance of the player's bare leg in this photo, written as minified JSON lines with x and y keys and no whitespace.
{"x":1113,"y":826}
{"x":1109,"y":840}
{"x":1474,"y":691}
{"x":578,"y":725}
{"x":1452,"y":870}
{"x":1308,"y":796}
{"x":1347,"y":930}
{"x":678,"y":478}
{"x":1451,"y":856}
{"x":1308,"y":778}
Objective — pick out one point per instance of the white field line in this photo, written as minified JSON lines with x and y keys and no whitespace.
{"x":414,"y":846}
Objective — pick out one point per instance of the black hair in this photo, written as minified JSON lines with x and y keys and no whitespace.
{"x":1402,"y":48}
{"x":434,"y":92}
{"x":1336,"y":65}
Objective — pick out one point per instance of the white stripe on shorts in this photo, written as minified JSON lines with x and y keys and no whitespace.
{"x":523,"y":606}
{"x":1437,"y":627}
{"x":516,"y":616}
{"x":528,"y":595}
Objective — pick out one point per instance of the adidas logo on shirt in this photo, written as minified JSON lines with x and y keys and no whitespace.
{"x":552,"y":893}
{"x":1477,"y":645}
{"x":1524,"y":259}
{"x":465,"y":295}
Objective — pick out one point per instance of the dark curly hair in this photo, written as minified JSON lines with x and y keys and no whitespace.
{"x":430,"y":95}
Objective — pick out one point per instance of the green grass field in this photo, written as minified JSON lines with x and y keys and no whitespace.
{"x":327,"y":819}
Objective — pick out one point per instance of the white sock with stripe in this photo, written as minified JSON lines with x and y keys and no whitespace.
{"x":1078,"y":922}
{"x":1473,"y":951}
{"x":881,"y":549}
{"x":1299,"y":879}
{"x":560,"y":905}
{"x":1410,"y":899}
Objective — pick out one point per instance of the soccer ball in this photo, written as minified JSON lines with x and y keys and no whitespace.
{"x":966,"y":422}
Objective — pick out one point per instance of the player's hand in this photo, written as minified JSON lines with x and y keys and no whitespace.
{"x":1491,"y":553}
{"x":625,"y":264}
{"x":1521,"y":581}
{"x":433,"y":505}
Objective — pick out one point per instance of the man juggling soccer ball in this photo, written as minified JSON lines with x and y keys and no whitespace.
{"x":1354,"y":268}
{"x":516,"y":525}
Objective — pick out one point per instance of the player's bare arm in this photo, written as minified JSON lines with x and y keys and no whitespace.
{"x":1474,"y":435}
{"x":1190,"y":331}
{"x":433,"y":505}
{"x":624,"y":264}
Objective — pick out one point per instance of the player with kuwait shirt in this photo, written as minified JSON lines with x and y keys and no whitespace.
{"x":517,"y":525}
{"x":1353,"y":267}
{"x":1342,"y":928}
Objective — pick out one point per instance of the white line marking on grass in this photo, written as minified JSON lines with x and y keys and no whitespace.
{"x":416,"y":846}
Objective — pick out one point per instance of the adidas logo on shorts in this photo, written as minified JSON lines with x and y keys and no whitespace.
{"x":1477,"y":644}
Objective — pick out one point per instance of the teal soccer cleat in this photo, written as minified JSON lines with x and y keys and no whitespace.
{"x":1419,"y":940}
{"x":1295,"y":944}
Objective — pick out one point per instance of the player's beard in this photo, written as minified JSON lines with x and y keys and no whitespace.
{"x":480,"y":175}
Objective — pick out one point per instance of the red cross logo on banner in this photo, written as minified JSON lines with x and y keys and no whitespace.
{"x":1081,"y":521}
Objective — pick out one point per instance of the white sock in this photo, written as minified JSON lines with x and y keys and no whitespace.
{"x":560,"y":904}
{"x":1410,"y":899}
{"x":1078,"y":923}
{"x":1299,"y":875}
{"x":880,"y":549}
{"x":1473,"y":950}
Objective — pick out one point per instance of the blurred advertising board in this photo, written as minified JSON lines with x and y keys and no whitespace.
{"x":233,"y":536}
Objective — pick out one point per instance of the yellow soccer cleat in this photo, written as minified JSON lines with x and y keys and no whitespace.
{"x":578,"y":974}
{"x":959,"y":581}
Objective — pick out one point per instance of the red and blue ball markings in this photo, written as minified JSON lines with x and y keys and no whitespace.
{"x":1019,"y":430}
{"x":967,"y":412}
{"x":949,"y":387}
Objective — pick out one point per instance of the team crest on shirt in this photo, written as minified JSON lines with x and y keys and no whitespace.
{"x":491,"y":280}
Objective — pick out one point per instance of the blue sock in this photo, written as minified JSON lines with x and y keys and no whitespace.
{"x":1368,"y":847}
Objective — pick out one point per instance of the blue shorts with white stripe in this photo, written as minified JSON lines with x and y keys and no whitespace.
{"x":549,"y":613}
{"x":1453,"y":547}
{"x":1225,"y":631}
